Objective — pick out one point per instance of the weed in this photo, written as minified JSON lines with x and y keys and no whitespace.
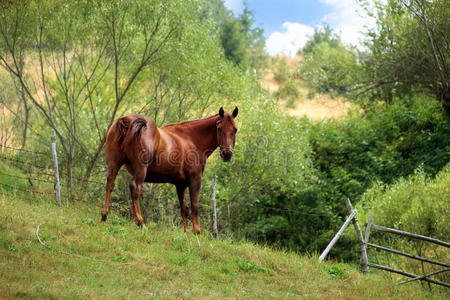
{"x":13,"y":248}
{"x":88,"y":221}
{"x":180,"y":260}
{"x":249,"y":266}
{"x":116,"y":229}
{"x":119,"y":221}
{"x":337,"y":272}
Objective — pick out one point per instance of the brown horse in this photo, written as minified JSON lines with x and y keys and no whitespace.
{"x":174,"y":154}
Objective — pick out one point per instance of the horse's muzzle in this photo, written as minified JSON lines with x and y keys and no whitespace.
{"x":226,"y":154}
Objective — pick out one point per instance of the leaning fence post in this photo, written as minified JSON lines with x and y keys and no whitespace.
{"x":364,"y":263}
{"x":337,"y":236}
{"x":213,"y":206}
{"x":55,"y":162}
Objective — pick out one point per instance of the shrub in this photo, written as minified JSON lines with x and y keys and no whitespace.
{"x":417,"y":204}
{"x":330,"y":69}
{"x":388,"y":142}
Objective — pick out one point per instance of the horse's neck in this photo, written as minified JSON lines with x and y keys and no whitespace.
{"x":204,"y":135}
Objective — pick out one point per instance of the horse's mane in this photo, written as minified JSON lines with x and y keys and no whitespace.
{"x":188,"y":122}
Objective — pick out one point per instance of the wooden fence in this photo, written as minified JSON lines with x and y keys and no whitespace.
{"x":364,"y":243}
{"x":413,"y":277}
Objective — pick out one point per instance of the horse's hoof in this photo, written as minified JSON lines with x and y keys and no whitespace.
{"x":140,"y":224}
{"x":104,"y":217}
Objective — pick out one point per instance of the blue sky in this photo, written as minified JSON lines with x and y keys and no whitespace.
{"x":287,"y":24}
{"x":272,"y":14}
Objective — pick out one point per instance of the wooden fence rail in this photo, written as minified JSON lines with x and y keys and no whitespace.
{"x":411,"y":235}
{"x":423,"y":277}
{"x":409,"y":255}
{"x":414,"y":277}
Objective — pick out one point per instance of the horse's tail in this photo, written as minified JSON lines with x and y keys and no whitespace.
{"x":133,"y":131}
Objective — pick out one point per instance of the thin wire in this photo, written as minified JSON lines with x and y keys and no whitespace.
{"x":25,"y":163}
{"x":23,"y":190}
{"x":290,"y":210}
{"x":44,"y":168}
{"x":26,"y":178}
{"x":24,"y":150}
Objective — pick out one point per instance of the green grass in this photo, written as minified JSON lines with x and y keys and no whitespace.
{"x":116,"y":260}
{"x":14,"y":182}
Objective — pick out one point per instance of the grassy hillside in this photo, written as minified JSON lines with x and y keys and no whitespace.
{"x":314,"y":106}
{"x":88,"y":259}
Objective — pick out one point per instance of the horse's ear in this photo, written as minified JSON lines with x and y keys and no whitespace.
{"x":221,"y":112}
{"x":235,"y":112}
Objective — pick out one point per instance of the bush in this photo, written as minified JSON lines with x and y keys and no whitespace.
{"x":281,"y":70}
{"x":388,"y":142}
{"x":288,"y":92}
{"x":330,"y":69}
{"x":417,"y":204}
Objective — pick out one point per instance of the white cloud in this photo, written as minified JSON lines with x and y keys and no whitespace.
{"x":290,"y":41}
{"x":235,"y":5}
{"x":348,"y":19}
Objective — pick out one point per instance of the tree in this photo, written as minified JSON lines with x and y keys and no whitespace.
{"x":242,"y":41}
{"x":409,"y":49}
{"x":329,"y":65}
{"x":79,"y":65}
{"x":77,"y":45}
{"x":323,"y":34}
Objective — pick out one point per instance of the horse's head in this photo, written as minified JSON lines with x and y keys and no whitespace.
{"x":226,"y":133}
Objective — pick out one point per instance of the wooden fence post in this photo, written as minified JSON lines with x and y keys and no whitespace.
{"x":55,"y":162}
{"x":366,"y":240}
{"x":337,"y":236}
{"x":368,"y":226}
{"x":364,"y":263}
{"x":213,"y":206}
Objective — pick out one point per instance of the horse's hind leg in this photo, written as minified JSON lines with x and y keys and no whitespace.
{"x":112,"y":173}
{"x":136,"y":191}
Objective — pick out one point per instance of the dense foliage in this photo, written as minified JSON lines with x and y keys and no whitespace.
{"x":73,"y":67}
{"x":288,"y":189}
{"x":91,"y":63}
{"x":417,"y":204}
{"x":321,"y":35}
{"x":242,"y":42}
{"x":389,"y":142}
{"x":330,"y":68}
{"x":409,"y":49}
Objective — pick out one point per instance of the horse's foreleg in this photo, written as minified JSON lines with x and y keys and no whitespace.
{"x":194,"y":191}
{"x":136,"y":191}
{"x":181,"y":192}
{"x":112,"y":173}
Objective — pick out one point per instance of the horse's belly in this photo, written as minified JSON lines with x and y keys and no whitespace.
{"x":161,"y":173}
